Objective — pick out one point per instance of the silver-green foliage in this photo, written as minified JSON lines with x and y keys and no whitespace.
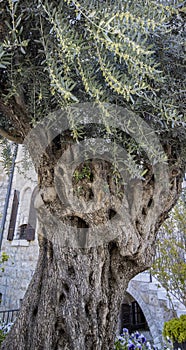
{"x":107,"y":50}
{"x":128,"y":53}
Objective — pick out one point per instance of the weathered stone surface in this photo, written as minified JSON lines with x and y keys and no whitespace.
{"x":22,"y":254}
{"x":156,"y":310}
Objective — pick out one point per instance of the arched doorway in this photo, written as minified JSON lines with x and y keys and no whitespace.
{"x":132,"y":316}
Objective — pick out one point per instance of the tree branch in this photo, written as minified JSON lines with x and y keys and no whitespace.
{"x":10,"y":137}
{"x":16,"y":116}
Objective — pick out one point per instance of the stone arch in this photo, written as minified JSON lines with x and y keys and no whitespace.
{"x":25,"y":188}
{"x":157,"y":339}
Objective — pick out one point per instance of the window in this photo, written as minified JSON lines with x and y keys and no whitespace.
{"x":27,"y":229}
{"x":138,"y":317}
{"x":13,"y":216}
{"x":132,"y":317}
{"x":26,"y":223}
{"x":22,"y":231}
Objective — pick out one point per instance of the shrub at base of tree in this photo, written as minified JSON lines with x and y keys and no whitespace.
{"x":175,"y":329}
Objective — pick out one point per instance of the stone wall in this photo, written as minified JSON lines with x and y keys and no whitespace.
{"x":152,"y":298}
{"x":22,"y":254}
{"x":3,"y":187}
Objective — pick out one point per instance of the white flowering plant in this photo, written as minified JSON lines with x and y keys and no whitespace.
{"x":135,"y":341}
{"x":4,"y":329}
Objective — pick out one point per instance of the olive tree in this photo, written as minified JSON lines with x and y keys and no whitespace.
{"x":94,"y":90}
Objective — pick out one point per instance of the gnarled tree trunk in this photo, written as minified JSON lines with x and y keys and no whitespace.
{"x":89,"y":251}
{"x":73,"y":300}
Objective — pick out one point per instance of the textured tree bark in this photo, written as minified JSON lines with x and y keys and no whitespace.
{"x":73,"y":300}
{"x":87,"y":257}
{"x":18,"y":123}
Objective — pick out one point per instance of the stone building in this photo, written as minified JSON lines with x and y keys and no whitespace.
{"x":18,"y":241}
{"x":145,"y":306}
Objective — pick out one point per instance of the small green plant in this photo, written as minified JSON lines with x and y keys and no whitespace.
{"x":3,"y":259}
{"x":84,"y":173}
{"x":2,"y":336}
{"x":175,"y":329}
{"x":6,"y":154}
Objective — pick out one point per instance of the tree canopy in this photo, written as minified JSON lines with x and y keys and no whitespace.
{"x":58,"y":53}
